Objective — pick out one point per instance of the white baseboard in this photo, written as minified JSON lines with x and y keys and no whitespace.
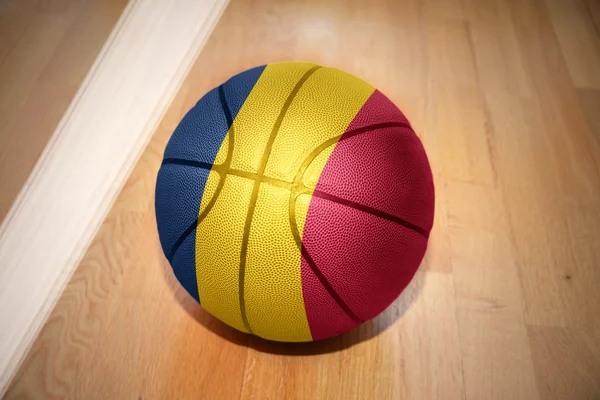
{"x":88,"y":159}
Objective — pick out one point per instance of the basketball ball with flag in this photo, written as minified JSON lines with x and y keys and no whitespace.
{"x":294,"y":202}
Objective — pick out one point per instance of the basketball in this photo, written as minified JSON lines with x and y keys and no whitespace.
{"x":294,"y":202}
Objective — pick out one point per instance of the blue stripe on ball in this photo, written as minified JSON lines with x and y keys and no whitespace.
{"x":179,"y":188}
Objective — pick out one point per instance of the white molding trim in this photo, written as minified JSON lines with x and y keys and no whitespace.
{"x":90,"y":155}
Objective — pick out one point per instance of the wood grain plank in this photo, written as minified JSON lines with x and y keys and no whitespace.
{"x":578,"y":39}
{"x":457,"y":108}
{"x":593,"y":9}
{"x":549,"y":159}
{"x":494,"y":344}
{"x":567,"y":362}
{"x":500,"y":69}
{"x":590,"y":104}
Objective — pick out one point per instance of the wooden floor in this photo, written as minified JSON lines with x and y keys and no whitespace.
{"x":505,"y":95}
{"x":46,"y":50}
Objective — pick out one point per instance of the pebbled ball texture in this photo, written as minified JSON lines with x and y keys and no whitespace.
{"x":294,"y":202}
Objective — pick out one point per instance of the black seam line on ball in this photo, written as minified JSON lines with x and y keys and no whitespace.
{"x":189,"y":163}
{"x":225,"y":107}
{"x":372,"y":211}
{"x":254,"y":196}
{"x":336,"y":297}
